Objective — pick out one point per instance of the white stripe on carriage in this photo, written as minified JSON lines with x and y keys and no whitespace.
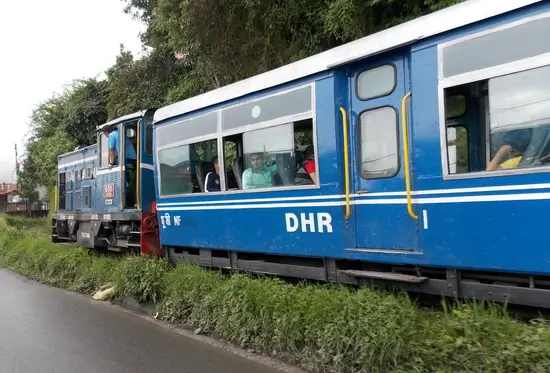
{"x":382,"y":201}
{"x":147,"y":166}
{"x":106,"y":171}
{"x":366,"y":195}
{"x":77,"y":162}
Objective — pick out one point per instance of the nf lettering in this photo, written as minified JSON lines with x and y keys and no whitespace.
{"x":309,"y":222}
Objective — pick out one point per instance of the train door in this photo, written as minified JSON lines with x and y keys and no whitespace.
{"x":61,"y":192}
{"x":129,"y":145}
{"x":383,"y":214}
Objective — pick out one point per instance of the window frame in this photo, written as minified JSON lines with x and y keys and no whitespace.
{"x":192,"y":141}
{"x":221,"y":134}
{"x":457,"y":125}
{"x":372,"y":68}
{"x":100,"y":146}
{"x":360,"y":143}
{"x":515,"y":67}
{"x":465,"y":106}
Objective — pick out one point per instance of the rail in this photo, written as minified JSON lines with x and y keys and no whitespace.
{"x":138,"y":167}
{"x":407,"y":171}
{"x":347,"y":202}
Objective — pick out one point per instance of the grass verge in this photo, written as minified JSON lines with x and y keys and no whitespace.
{"x":322,"y":328}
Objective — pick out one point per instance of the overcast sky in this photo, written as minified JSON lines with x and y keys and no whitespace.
{"x":46,"y":44}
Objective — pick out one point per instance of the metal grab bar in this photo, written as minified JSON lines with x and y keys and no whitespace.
{"x":347,"y":203}
{"x":122,"y":164}
{"x":407,"y":171}
{"x":137,"y":195}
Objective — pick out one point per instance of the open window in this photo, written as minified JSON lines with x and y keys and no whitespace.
{"x":497,"y":100}
{"x":272,"y":157}
{"x":103,"y":142}
{"x":511,"y":120}
{"x":264,"y":143}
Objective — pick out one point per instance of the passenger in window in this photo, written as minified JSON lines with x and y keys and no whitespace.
{"x":258,"y":175}
{"x":212,"y":182}
{"x":511,"y":151}
{"x":129,"y":159}
{"x":306,"y":174}
{"x":114,"y":147}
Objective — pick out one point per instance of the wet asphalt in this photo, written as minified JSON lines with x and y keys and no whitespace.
{"x":48,"y":330}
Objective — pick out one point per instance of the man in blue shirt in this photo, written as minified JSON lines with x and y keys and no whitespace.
{"x":114,"y":147}
{"x":113,"y":144}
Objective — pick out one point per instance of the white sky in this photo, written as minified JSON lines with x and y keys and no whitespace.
{"x":46,"y":44}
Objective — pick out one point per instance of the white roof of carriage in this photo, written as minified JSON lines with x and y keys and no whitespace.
{"x":456,"y":16}
{"x":122,"y":119}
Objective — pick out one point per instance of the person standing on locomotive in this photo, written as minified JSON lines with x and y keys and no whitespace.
{"x":212,"y":183}
{"x":130,"y":160}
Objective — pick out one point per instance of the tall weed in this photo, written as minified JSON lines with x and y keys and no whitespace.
{"x":323,"y":328}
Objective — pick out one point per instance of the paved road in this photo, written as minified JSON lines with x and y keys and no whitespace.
{"x":47,"y":330}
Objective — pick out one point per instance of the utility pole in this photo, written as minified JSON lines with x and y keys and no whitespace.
{"x":17,"y":172}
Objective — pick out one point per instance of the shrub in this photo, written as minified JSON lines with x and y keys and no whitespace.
{"x":323,"y":328}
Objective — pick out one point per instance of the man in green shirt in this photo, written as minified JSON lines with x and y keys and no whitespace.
{"x":258,"y":175}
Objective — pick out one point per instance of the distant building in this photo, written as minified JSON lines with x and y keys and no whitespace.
{"x":9,"y":193}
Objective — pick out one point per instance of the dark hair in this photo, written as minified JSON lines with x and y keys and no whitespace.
{"x":518,"y":139}
{"x":215,"y":159}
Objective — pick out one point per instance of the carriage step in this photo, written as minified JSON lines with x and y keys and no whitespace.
{"x":388,"y":276}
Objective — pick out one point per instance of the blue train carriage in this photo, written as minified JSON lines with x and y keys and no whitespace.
{"x":426,"y":146}
{"x":102,"y":206}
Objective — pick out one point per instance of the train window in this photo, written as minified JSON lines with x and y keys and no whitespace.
{"x":187,"y":129}
{"x":104,"y":151}
{"x":513,"y":123}
{"x":379,"y":143}
{"x":457,"y":148}
{"x":455,"y":106}
{"x":479,"y":52}
{"x":281,"y":105}
{"x":273,"y":157}
{"x":376,"y":82}
{"x":88,"y":174}
{"x":183,"y":168}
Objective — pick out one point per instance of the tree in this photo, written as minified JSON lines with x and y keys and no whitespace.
{"x":58,"y":125}
{"x":85,"y":109}
{"x":141,"y":84}
{"x":217,"y":43}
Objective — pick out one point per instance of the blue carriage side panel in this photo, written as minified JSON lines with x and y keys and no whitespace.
{"x":473,"y":220}
{"x":274,"y":221}
{"x":484,"y":222}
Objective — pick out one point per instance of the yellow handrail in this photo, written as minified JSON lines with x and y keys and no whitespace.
{"x":405,"y":124}
{"x":347,"y":205}
{"x":138,"y":166}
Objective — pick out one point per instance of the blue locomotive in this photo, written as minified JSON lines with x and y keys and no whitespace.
{"x":414,"y":158}
{"x":104,"y":194}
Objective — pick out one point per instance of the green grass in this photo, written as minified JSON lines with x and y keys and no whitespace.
{"x":322,"y":328}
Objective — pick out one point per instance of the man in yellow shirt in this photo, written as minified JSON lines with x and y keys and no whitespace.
{"x":513,"y":147}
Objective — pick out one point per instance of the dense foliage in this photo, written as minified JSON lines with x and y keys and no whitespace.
{"x":194,"y":46}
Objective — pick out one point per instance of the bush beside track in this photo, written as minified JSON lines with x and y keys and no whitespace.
{"x":321,"y":328}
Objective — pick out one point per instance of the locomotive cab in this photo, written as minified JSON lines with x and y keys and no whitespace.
{"x":105,"y":191}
